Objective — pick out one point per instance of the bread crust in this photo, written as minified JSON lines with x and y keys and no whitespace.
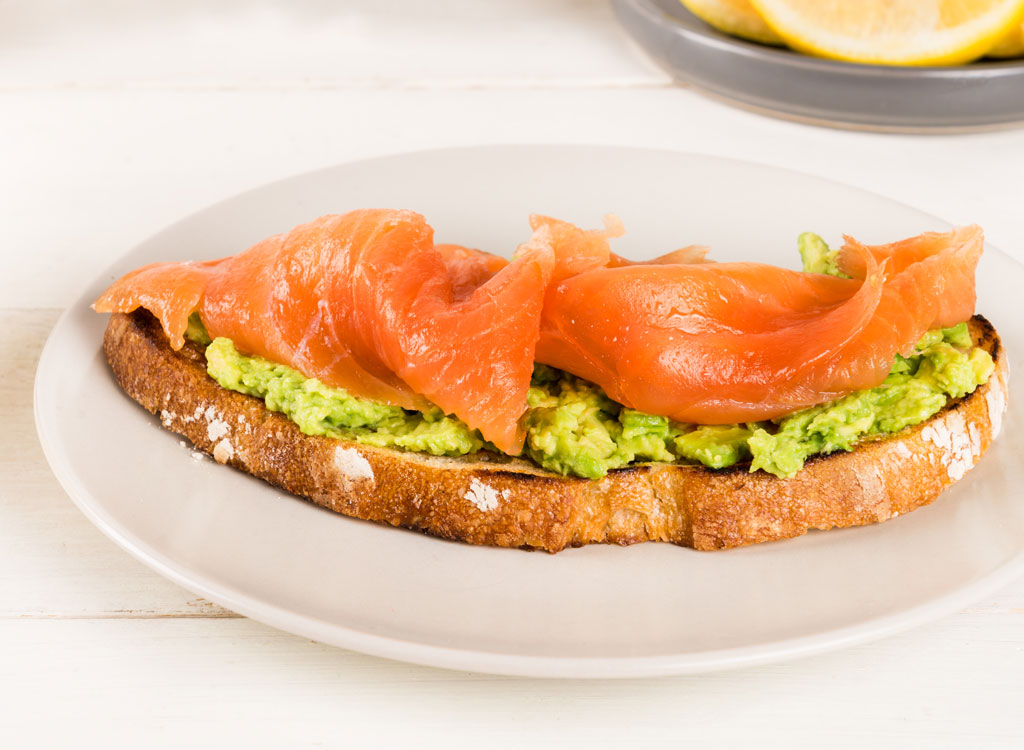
{"x":499,"y":501}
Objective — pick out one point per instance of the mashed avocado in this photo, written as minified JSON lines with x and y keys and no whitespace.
{"x":816,"y":255}
{"x":916,"y":388}
{"x":572,"y":427}
{"x":321,"y":410}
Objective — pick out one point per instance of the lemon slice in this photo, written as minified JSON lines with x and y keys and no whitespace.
{"x":1011,"y":45}
{"x":893,"y":32}
{"x":735,"y":17}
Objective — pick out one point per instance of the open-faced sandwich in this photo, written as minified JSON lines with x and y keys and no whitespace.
{"x":568,"y":395}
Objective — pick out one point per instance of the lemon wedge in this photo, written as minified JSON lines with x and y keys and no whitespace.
{"x":735,"y":17}
{"x":1011,"y":45}
{"x":893,"y":32}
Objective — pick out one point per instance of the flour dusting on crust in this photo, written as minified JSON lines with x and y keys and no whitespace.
{"x":223,"y":451}
{"x":351,"y":465}
{"x":216,"y":428}
{"x":483,"y":496}
{"x":996,"y":400}
{"x":960,"y":443}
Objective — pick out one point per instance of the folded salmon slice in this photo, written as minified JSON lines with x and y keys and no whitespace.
{"x":578,"y":250}
{"x":733,"y":342}
{"x":364,"y":301}
{"x":171,"y":291}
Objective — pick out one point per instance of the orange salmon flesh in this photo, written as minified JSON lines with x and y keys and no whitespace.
{"x":367,"y":302}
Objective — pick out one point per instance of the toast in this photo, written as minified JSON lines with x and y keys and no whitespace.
{"x":490,"y":499}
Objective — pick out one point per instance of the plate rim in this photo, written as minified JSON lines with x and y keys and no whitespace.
{"x":490,"y":662}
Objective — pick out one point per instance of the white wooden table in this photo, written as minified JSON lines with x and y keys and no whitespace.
{"x":119,"y":117}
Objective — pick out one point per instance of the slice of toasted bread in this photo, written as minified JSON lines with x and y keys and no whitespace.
{"x":507,"y":502}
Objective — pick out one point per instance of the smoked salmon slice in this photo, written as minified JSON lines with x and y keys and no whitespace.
{"x":171,"y":291}
{"x":469,"y":268}
{"x":733,"y":342}
{"x":578,"y":250}
{"x":364,"y":301}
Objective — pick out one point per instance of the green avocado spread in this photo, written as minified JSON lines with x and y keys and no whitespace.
{"x":573,"y":428}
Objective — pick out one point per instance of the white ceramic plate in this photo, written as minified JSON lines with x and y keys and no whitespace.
{"x":593,"y":612}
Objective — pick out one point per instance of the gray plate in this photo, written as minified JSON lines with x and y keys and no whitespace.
{"x":790,"y":84}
